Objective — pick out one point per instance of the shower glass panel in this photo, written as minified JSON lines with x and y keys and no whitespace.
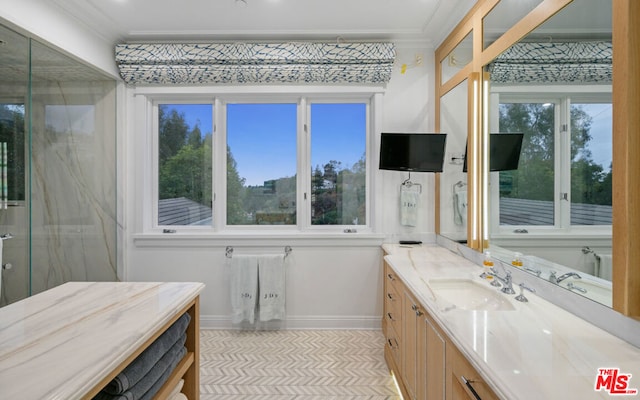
{"x":14,"y":215}
{"x":61,"y":206}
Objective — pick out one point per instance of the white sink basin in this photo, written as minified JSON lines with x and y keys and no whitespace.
{"x":467,"y":294}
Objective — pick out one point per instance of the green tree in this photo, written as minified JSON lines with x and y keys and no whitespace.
{"x":236,"y":214}
{"x":194,"y":139}
{"x":173,"y":133}
{"x":187,"y":174}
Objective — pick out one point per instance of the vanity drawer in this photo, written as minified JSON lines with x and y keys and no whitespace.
{"x":390,"y":278}
{"x":392,"y":307}
{"x":393,"y":344}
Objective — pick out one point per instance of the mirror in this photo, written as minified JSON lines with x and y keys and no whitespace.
{"x":503,"y":16}
{"x":453,"y":182}
{"x":554,"y":212}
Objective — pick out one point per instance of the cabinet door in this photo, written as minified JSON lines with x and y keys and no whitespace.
{"x":431,"y":362}
{"x":410,"y":314}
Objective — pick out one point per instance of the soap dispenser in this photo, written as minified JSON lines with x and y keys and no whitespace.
{"x":487,"y":265}
{"x":517,"y":260}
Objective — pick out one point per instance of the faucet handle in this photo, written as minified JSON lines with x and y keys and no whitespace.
{"x":521,"y":297}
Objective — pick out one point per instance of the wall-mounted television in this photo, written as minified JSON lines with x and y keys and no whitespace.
{"x":414,"y":152}
{"x":504,"y":151}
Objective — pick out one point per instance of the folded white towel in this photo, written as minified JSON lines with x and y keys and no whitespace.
{"x":409,"y":199}
{"x":244,"y":288}
{"x":176,"y":390}
{"x":178,"y":396}
{"x":272,"y":287}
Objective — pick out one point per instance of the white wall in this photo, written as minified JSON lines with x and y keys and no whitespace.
{"x":333,"y":283}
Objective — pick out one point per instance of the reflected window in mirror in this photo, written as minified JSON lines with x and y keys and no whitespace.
{"x":526,"y":195}
{"x":564,"y":175}
{"x":591,"y":159}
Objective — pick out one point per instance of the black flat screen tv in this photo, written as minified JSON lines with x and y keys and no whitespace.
{"x":419,"y":152}
{"x":504,"y":151}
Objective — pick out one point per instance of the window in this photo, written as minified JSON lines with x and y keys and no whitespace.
{"x":338,"y":164}
{"x":298,"y":164}
{"x":261,"y":164}
{"x":184,"y":164}
{"x":564,"y":174}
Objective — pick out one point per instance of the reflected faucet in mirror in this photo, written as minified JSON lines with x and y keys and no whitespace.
{"x":557,"y":279}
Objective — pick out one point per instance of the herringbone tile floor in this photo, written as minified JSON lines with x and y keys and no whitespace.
{"x":294,"y":365}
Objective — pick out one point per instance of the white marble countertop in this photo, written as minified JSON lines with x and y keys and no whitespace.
{"x":536,"y":351}
{"x":60,"y":343}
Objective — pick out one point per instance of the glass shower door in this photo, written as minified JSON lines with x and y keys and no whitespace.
{"x":14,"y":214}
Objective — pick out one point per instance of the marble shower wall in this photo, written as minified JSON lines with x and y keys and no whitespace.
{"x":73,"y":213}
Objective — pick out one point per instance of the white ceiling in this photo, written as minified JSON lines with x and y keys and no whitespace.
{"x":426,"y":21}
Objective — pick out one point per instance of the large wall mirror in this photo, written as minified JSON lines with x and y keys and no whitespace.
{"x":552,"y":211}
{"x":547,"y":78}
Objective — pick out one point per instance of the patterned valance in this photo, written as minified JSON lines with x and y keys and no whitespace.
{"x":229,"y":63}
{"x":564,"y":62}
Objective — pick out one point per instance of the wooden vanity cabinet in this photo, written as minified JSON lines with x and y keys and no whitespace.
{"x":425,"y":362}
{"x":391,"y":327}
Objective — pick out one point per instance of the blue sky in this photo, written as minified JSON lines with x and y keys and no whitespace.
{"x":262,"y":137}
{"x":601,"y":144}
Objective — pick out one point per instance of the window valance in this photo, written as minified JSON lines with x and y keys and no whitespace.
{"x":271,"y":63}
{"x":560,"y":62}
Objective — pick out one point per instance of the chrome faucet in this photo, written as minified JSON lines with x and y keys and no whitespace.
{"x":506,"y":281}
{"x":557,"y":279}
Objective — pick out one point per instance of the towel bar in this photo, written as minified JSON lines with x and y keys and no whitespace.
{"x":229,"y":251}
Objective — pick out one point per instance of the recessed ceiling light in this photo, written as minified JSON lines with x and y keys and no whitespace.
{"x":241,"y":3}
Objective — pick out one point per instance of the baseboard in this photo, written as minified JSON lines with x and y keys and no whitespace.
{"x":302,"y":322}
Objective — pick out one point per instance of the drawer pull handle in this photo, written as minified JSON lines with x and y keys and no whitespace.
{"x":418,"y":313}
{"x":390,"y":317}
{"x":391,"y":344}
{"x":390,"y":277}
{"x":390,"y":296}
{"x":470,"y":387}
{"x":414,"y":307}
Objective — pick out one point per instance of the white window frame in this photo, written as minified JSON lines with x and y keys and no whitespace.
{"x":562,"y":97}
{"x":147,"y":101}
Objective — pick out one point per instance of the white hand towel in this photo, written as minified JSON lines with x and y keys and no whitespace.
{"x":409,"y":207}
{"x":606,"y":267}
{"x":460,"y":207}
{"x":272,"y":287}
{"x":244,"y":288}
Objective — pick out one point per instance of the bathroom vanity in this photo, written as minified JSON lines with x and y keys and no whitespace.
{"x":70,"y":341}
{"x":452,"y":335}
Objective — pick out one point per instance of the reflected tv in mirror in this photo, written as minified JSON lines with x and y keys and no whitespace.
{"x":419,"y":152}
{"x":504,"y":151}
